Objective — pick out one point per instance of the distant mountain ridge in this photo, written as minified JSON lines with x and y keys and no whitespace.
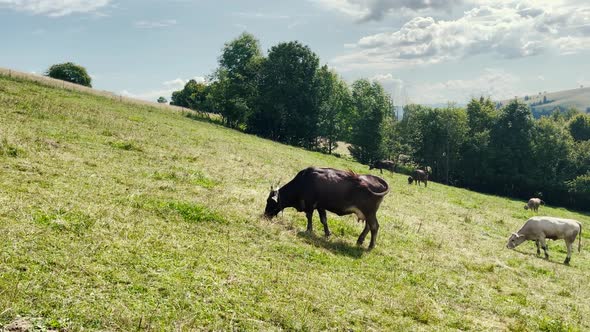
{"x":544,"y":103}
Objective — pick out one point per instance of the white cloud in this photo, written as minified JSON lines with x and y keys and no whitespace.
{"x":154,"y":24}
{"x":375,"y":10}
{"x":259,"y":15}
{"x":505,"y":30}
{"x":54,"y":8}
{"x":350,"y":8}
{"x":386,"y":78}
{"x":165,"y":90}
{"x":494,"y":83}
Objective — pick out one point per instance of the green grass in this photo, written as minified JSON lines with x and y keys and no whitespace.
{"x":122,"y":217}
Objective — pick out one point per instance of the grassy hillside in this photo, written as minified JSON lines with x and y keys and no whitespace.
{"x":566,"y":99}
{"x":122,"y":217}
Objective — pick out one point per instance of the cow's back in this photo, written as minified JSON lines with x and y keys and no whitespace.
{"x":551,"y":227}
{"x":336,"y":190}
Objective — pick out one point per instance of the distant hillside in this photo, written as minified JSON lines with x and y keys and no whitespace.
{"x":545,"y":102}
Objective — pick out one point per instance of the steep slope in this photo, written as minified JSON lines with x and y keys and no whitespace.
{"x":123,"y":217}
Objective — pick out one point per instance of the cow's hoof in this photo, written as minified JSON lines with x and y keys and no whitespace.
{"x":328,"y":235}
{"x":359,"y":243}
{"x":566,"y":262}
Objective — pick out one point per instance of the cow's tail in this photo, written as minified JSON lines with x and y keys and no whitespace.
{"x":384,"y":184}
{"x":580,"y":237}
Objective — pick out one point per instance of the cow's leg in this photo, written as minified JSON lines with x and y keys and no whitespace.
{"x":309,"y":215}
{"x":538,"y":248}
{"x":426,"y":183}
{"x":544,"y":246}
{"x":324,"y":220}
{"x":374,"y":227}
{"x":569,"y":252}
{"x":363,"y":234}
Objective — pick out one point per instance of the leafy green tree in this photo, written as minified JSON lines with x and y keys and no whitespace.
{"x":551,"y":147}
{"x":481,"y":116}
{"x":335,"y":107}
{"x":372,"y":106}
{"x":511,"y":147}
{"x":410,"y":137}
{"x":162,"y":100}
{"x":235,"y":88}
{"x":579,"y":127}
{"x":443,"y":133}
{"x":287,"y":108}
{"x":193,"y":96}
{"x":70,"y":72}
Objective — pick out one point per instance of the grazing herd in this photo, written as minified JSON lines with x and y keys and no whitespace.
{"x":345,"y":192}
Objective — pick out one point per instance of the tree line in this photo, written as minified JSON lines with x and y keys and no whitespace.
{"x":288,"y":97}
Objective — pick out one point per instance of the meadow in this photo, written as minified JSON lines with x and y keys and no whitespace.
{"x":120,"y":217}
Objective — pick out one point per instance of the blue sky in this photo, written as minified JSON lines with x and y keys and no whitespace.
{"x":425,"y":51}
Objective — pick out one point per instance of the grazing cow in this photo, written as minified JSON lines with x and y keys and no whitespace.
{"x":328,"y":189}
{"x":419,"y":176}
{"x":383,"y":164}
{"x":540,"y":228}
{"x":534,"y":204}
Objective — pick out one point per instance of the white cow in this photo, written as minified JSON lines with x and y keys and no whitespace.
{"x":534,"y":204}
{"x":540,"y":228}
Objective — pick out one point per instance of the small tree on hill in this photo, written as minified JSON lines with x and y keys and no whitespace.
{"x":70,"y":72}
{"x":579,"y":127}
{"x":162,"y":100}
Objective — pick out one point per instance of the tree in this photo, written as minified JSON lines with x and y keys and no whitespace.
{"x":193,"y":96}
{"x":579,"y":127}
{"x":481,"y":117}
{"x":372,"y":106}
{"x":70,"y":72}
{"x":552,"y":147}
{"x":162,"y":100}
{"x":334,"y":107}
{"x":511,"y":148}
{"x":287,"y":108}
{"x":235,"y":87}
{"x":443,"y":133}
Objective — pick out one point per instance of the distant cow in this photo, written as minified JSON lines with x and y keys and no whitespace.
{"x":534,"y":204}
{"x":383,"y":164}
{"x":540,"y":228}
{"x":419,"y":176}
{"x":328,"y":189}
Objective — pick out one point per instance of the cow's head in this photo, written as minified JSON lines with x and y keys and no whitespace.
{"x":272,"y":203}
{"x":526,"y":207}
{"x":515,"y":240}
{"x":410,"y":180}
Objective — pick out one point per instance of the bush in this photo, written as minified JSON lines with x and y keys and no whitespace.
{"x":70,"y":72}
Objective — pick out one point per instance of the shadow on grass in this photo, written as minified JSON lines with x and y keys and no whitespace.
{"x":542,"y":256}
{"x":336,"y":246}
{"x":203,"y":117}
